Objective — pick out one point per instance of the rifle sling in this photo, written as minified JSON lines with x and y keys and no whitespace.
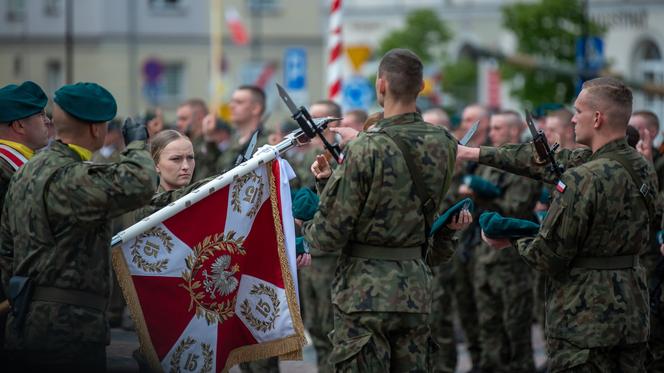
{"x":428,"y":205}
{"x":643,"y":188}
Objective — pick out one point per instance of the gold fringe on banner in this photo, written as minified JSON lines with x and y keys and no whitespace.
{"x":289,"y":348}
{"x":129,"y":292}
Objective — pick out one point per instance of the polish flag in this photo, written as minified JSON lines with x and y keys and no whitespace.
{"x":238,"y":31}
{"x":215,"y":285}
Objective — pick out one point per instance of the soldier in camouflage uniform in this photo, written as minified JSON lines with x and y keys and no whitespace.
{"x":588,"y":244}
{"x":23,"y":129}
{"x":371,"y":214}
{"x":61,"y":236}
{"x":503,"y":281}
{"x":316,"y":280}
{"x":465,"y":258}
{"x":247,"y":108}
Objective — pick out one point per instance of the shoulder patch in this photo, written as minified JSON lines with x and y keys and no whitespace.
{"x":560,"y":187}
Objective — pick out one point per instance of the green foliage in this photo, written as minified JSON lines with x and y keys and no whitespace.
{"x":460,"y":80}
{"x":547,"y":29}
{"x":424,"y":34}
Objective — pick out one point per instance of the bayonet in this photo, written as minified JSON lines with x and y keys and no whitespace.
{"x":469,"y":134}
{"x":309,"y":126}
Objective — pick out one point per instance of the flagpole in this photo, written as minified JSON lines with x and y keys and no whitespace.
{"x":263,"y":156}
{"x":216,"y":48}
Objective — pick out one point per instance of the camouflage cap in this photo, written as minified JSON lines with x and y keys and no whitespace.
{"x":21,"y":101}
{"x":495,"y":225}
{"x":88,"y":102}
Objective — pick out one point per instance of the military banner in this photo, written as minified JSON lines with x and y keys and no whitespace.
{"x":215,"y":285}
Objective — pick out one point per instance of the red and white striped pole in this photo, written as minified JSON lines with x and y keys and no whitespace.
{"x":335,"y":52}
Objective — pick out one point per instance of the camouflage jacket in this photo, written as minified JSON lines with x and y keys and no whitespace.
{"x":370,"y":199}
{"x":206,"y":154}
{"x":596,"y":211}
{"x":226,"y":161}
{"x":519,"y":195}
{"x":6,"y":172}
{"x":58,"y":234}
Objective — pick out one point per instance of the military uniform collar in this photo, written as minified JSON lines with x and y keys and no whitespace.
{"x":63,"y":148}
{"x":619,"y":144}
{"x":400,"y":119}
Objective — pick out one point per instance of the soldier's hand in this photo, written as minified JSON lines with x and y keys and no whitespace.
{"x":661,"y":249}
{"x":496,"y":243}
{"x":303,"y":260}
{"x":134,"y":131}
{"x":465,"y":190}
{"x":321,"y":168}
{"x":465,"y":153}
{"x":208,"y":126}
{"x":461,"y":221}
{"x":644,"y":146}
{"x":346,"y":134}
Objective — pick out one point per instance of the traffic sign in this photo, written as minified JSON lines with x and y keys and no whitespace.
{"x":357,"y":93}
{"x":295,"y":69}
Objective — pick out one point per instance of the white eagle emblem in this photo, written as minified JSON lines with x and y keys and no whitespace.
{"x":221,"y":281}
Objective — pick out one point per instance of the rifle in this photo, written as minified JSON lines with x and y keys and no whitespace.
{"x":310,"y":127}
{"x":545,"y":154}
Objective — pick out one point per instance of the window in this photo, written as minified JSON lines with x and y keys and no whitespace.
{"x":173,"y":82}
{"x":649,"y":67}
{"x":54,"y":75}
{"x":52,"y":8}
{"x":168,"y":6}
{"x":15,"y":10}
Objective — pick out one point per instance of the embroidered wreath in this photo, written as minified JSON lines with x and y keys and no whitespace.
{"x":245,"y":308}
{"x":136,"y":258}
{"x":215,"y":312}
{"x":237,"y":189}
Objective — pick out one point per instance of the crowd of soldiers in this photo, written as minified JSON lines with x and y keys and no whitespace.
{"x":380,"y":289}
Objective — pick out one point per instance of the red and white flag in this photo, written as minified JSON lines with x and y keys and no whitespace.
{"x":239,"y":33}
{"x":215,"y":285}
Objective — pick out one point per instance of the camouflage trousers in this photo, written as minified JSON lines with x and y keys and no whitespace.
{"x":70,"y":357}
{"x":567,"y":357}
{"x":655,"y":358}
{"x":464,"y":294}
{"x":381,"y":342}
{"x":442,"y":320}
{"x":316,"y":295}
{"x":505,"y":307}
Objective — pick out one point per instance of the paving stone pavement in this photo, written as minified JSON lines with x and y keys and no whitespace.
{"x":123,"y":343}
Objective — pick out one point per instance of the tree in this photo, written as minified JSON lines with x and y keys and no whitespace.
{"x":547,"y":29}
{"x":424,"y":33}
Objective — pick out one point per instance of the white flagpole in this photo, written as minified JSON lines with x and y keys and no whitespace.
{"x":265,"y":154}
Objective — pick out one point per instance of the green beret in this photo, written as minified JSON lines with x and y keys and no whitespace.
{"x":482,"y":187}
{"x":21,"y":101}
{"x":444,"y":219}
{"x":305,"y":204}
{"x":88,"y":102}
{"x":496,"y":226}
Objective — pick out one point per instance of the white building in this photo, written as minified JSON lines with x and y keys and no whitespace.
{"x":115,"y":41}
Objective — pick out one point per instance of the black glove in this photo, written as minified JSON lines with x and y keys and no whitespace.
{"x":134,"y":131}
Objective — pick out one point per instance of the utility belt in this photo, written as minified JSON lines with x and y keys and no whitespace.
{"x":361,"y":250}
{"x":22,"y":292}
{"x":606,"y":262}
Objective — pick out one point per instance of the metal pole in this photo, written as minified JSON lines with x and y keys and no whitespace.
{"x":69,"y":41}
{"x":216,"y":54}
{"x":132,"y":10}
